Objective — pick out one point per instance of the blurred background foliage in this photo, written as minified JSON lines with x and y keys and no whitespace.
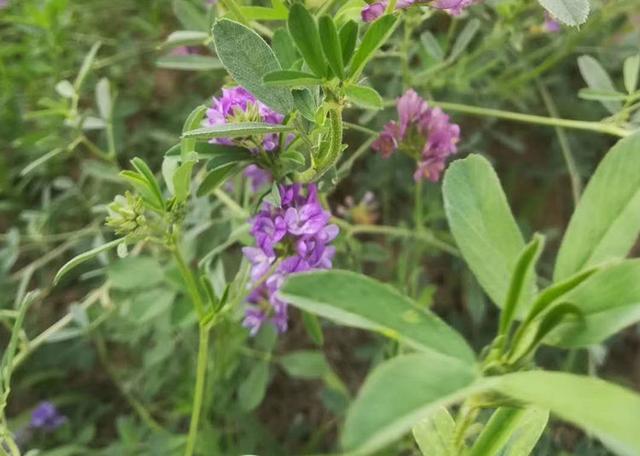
{"x":87,"y":85}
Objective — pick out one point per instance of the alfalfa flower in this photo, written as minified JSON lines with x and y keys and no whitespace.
{"x":293,"y":237}
{"x":423,"y":132}
{"x":238,"y":105}
{"x":46,"y":417}
{"x":374,"y":10}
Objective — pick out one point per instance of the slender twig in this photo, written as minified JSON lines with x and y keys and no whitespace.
{"x":572,"y":169}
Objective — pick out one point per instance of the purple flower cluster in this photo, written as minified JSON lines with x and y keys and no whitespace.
{"x":293,"y":237}
{"x":237,"y":104}
{"x":376,"y":9}
{"x":46,"y":417}
{"x":420,"y":128}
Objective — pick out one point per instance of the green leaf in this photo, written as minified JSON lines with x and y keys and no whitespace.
{"x":191,"y":17}
{"x":597,"y":79}
{"x":375,"y":36}
{"x":331,"y":46}
{"x":554,"y":317}
{"x":86,"y":66}
{"x":216,"y":177}
{"x":238,"y":130}
{"x":65,"y":89}
{"x":558,"y":290}
{"x":103,"y":98}
{"x":305,"y":103}
{"x":305,"y":364}
{"x":144,"y":171}
{"x":193,"y":62}
{"x":608,"y":411}
{"x":348,"y":40}
{"x":365,"y":97}
{"x":194,"y":120}
{"x":182,"y":180}
{"x":184,"y":38}
{"x":601,"y":95}
{"x":464,"y":39}
{"x":289,"y":78}
{"x":609,"y":300}
{"x":523,"y":273}
{"x":248,"y":58}
{"x":252,"y":389}
{"x":355,"y":300}
{"x":435,"y":434}
{"x":135,"y":272}
{"x":570,"y":12}
{"x":284,"y":48}
{"x":69,"y":265}
{"x":631,"y":69}
{"x":511,"y":432}
{"x":231,"y":155}
{"x":525,"y":437}
{"x":261,"y":13}
{"x":484,"y":228}
{"x":401,"y":392}
{"x":313,"y":327}
{"x":606,"y":222}
{"x":431,"y":45}
{"x":304,"y":31}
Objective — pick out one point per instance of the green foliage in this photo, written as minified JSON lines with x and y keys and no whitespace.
{"x":570,"y":12}
{"x":355,"y":300}
{"x":248,"y":59}
{"x":484,"y":228}
{"x":606,"y":223}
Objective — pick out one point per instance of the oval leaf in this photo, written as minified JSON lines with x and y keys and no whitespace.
{"x":606,"y":222}
{"x":304,"y":31}
{"x":401,"y":392}
{"x":248,"y":58}
{"x":484,"y":228}
{"x":610,"y":412}
{"x":355,"y":300}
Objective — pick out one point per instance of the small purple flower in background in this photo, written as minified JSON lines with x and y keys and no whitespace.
{"x":291,"y":238}
{"x":238,"y":105}
{"x":180,"y":51}
{"x":258,"y":177}
{"x":210,"y":2}
{"x":4,"y":4}
{"x":420,"y":128}
{"x":374,"y":10}
{"x":550,"y":25}
{"x":46,"y":417}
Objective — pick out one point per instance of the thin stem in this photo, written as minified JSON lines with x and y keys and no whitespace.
{"x":418,"y":206}
{"x":201,"y":372}
{"x":530,"y":118}
{"x":572,"y":169}
{"x":190,"y":282}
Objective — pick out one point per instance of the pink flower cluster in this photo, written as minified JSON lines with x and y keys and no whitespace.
{"x":420,"y":128}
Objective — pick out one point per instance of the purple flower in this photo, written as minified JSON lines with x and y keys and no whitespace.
{"x":374,"y":10}
{"x":46,"y":417}
{"x":423,"y":132}
{"x":550,"y":24}
{"x":291,"y":238}
{"x":4,"y":4}
{"x":453,"y":7}
{"x":238,"y":105}
{"x":258,"y":177}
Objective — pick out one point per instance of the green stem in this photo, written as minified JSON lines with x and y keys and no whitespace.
{"x":190,"y":281}
{"x":201,"y":373}
{"x":533,"y":119}
{"x":418,"y":206}
{"x":572,"y":169}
